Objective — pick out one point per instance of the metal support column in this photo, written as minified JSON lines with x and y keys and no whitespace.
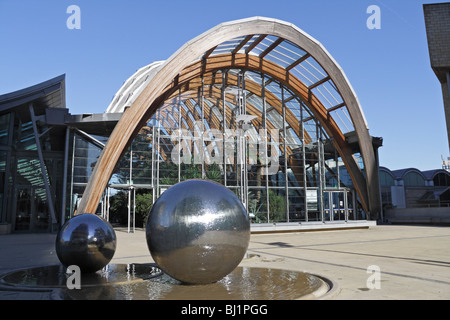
{"x":130,"y":187}
{"x":42,"y":163}
{"x":158,"y":192}
{"x":108,"y":195}
{"x":321,"y":167}
{"x":266,"y":151}
{"x":286,"y":177}
{"x":71,"y":177}
{"x":180,"y":135}
{"x":153,"y":161}
{"x":241,"y":141}
{"x":201,"y":149}
{"x":224,"y":125}
{"x":338,"y":174}
{"x":64,"y":191}
{"x":305,"y":182}
{"x":129,"y":210}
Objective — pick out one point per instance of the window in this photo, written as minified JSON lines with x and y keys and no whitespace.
{"x":413,"y":179}
{"x":4,"y":128}
{"x":386,"y":179}
{"x":442,"y":180}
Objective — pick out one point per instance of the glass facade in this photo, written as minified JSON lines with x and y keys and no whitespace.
{"x":5,"y":152}
{"x":257,"y":114}
{"x":411,"y":188}
{"x":414,"y":179}
{"x":441,"y":180}
{"x":386,"y":182}
{"x":246,"y":131}
{"x":84,"y":152}
{"x":31,"y":173}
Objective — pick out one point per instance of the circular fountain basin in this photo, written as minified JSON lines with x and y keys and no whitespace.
{"x":148,"y":282}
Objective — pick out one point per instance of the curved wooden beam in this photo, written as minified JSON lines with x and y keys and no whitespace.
{"x":151,"y":97}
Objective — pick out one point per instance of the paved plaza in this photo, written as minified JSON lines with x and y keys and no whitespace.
{"x":413,"y":261}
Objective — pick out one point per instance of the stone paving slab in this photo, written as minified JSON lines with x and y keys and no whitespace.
{"x":413,"y":261}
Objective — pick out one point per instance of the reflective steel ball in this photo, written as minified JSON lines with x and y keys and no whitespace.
{"x":198,"y":231}
{"x":87,"y":241}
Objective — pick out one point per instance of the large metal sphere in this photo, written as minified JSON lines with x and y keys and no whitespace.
{"x":198,"y":231}
{"x":87,"y":241}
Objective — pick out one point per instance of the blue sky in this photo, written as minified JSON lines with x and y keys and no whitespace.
{"x":388,"y":68}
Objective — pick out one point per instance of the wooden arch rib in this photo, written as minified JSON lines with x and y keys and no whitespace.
{"x":170,"y":75}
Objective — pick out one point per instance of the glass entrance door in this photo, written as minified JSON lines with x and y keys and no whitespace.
{"x":336,"y":205}
{"x":41,"y":215}
{"x":31,"y":213}
{"x":23,"y":208}
{"x":339,"y":206}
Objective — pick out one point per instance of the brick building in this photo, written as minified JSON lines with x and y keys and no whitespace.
{"x":437,"y":22}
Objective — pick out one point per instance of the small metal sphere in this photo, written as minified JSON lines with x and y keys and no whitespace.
{"x":87,"y":241}
{"x":198,"y":231}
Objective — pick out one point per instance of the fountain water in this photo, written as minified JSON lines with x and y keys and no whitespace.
{"x":197,"y":232}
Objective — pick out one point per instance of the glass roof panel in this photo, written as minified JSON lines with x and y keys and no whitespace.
{"x":264,"y":44}
{"x":274,"y":88}
{"x":342,"y":119}
{"x":276,"y":57}
{"x":291,"y":50}
{"x":227,"y":46}
{"x":310,"y":71}
{"x":327,"y":94}
{"x":288,"y":56}
{"x":294,"y":107}
{"x":285,"y":54}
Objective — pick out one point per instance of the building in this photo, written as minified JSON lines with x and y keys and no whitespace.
{"x":255,"y":104}
{"x":37,"y":132}
{"x":412,"y":188}
{"x":413,"y":196}
{"x":437,"y":22}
